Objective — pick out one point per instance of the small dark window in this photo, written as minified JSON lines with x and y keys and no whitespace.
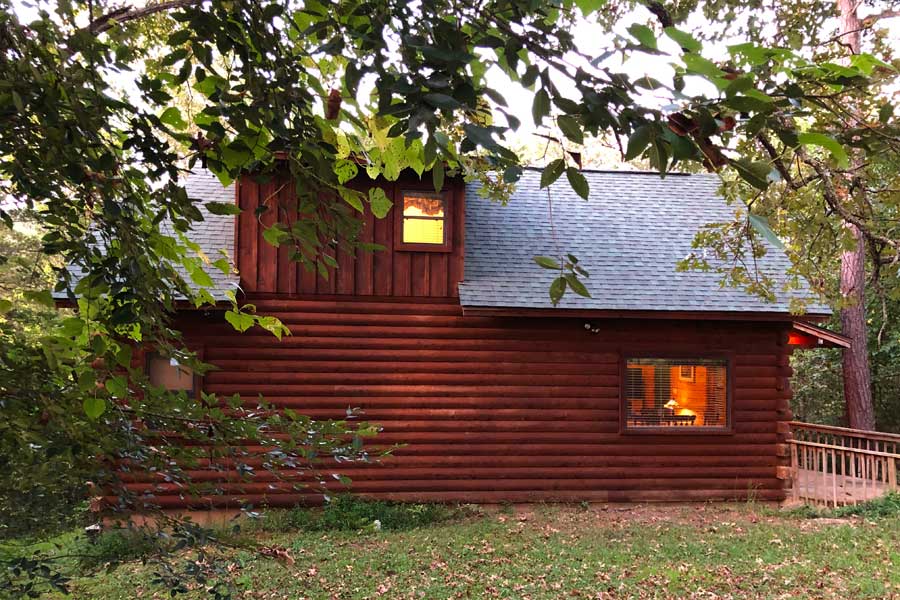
{"x":423,"y":222}
{"x":169,"y":374}
{"x":682,"y":393}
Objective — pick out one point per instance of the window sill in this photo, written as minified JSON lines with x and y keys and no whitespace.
{"x":677,"y":431}
{"x":410,"y":247}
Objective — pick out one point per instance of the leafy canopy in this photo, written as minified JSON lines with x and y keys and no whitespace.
{"x":105,"y":107}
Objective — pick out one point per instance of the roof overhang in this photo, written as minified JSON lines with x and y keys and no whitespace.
{"x":694,"y":315}
{"x":807,"y":335}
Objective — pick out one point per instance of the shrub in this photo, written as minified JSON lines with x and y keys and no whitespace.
{"x":117,"y":546}
{"x":886,"y":506}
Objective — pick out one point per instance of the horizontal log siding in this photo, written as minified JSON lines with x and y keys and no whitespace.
{"x":494,"y":409}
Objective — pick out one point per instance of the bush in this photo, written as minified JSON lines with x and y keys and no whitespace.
{"x":886,"y":506}
{"x":117,"y":546}
{"x":349,"y":513}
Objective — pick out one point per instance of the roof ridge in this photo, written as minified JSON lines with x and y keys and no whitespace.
{"x":624,"y":172}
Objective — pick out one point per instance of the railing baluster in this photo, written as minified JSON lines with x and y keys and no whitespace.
{"x":834,"y":477}
{"x":857,"y":465}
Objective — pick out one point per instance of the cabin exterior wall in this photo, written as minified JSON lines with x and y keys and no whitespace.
{"x":498,"y":409}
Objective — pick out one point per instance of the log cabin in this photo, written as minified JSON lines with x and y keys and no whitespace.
{"x":664,"y":385}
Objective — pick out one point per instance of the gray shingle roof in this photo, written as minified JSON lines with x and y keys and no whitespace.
{"x":213,"y":234}
{"x":629,"y":235}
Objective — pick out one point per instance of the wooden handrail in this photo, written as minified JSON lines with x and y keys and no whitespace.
{"x":861,"y":433}
{"x":849,"y":449}
{"x":838,"y":465}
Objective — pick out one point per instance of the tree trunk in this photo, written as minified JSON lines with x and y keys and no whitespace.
{"x":855,"y":360}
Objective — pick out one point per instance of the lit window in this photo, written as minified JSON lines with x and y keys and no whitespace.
{"x":169,"y":374}
{"x":423,"y":223}
{"x":687,"y":393}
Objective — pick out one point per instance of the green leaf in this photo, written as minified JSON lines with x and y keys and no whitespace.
{"x":557,"y":289}
{"x":94,"y":407}
{"x":381,"y":204}
{"x":274,"y":326}
{"x":199,"y":276}
{"x":578,"y":182}
{"x":441,"y":101}
{"x":589,"y":6}
{"x":276,"y":234}
{"x":644,"y":35}
{"x":570,"y":128}
{"x":116,"y":386}
{"x":345,"y":170}
{"x":172,"y":116}
{"x":685,"y":40}
{"x":547,"y":262}
{"x":552,"y":172}
{"x":5,"y":306}
{"x":540,"y":108}
{"x":437,"y":175}
{"x":222,"y":208}
{"x":761,"y":224}
{"x":239,"y":320}
{"x":755,"y":173}
{"x":638,"y":142}
{"x":702,"y":66}
{"x":885,"y":112}
{"x":353,"y":197}
{"x":43,"y":297}
{"x":829,"y":143}
{"x":87,"y":381}
{"x":576,"y":285}
{"x":123,"y":356}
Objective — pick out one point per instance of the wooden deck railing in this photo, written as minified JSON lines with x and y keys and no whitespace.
{"x":835,"y":466}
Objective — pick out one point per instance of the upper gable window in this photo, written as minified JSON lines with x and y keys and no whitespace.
{"x":423,"y":223}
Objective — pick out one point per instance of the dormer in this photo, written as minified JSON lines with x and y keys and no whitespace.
{"x":423,"y":239}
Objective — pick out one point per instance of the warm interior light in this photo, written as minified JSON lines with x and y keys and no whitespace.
{"x":671,"y":404}
{"x":796,"y":339}
{"x":423,"y":219}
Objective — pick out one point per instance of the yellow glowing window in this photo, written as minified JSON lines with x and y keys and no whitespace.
{"x":423,"y":222}
{"x":684,"y":393}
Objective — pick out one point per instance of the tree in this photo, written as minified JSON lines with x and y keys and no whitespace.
{"x":95,"y":138}
{"x":855,"y":228}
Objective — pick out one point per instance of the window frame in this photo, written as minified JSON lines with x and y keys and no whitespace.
{"x":728,"y":429}
{"x":196,"y":380}
{"x":447,"y":197}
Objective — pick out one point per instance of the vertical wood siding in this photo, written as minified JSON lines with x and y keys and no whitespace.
{"x":267,"y":270}
{"x":493,"y":409}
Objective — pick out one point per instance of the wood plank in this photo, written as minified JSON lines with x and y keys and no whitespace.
{"x":383,"y":260}
{"x":247,"y":234}
{"x":365,"y":260}
{"x":287,"y":269}
{"x":345,"y":273}
{"x":402,"y":274}
{"x":267,"y":278}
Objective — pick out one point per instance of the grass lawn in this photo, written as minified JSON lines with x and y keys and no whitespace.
{"x":657,"y":551}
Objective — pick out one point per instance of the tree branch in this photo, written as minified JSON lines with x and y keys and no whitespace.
{"x":885,"y":14}
{"x":127,"y":13}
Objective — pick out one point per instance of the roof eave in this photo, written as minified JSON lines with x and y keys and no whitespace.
{"x":590,"y":313}
{"x":819,"y":336}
